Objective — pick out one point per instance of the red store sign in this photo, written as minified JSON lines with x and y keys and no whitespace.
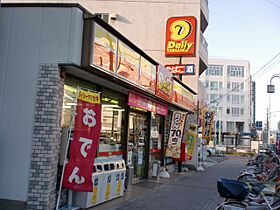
{"x":147,"y":104}
{"x":78,"y":170}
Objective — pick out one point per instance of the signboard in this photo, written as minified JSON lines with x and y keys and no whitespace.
{"x":105,"y":48}
{"x":128,"y":63}
{"x":147,"y":104}
{"x":186,"y":69}
{"x":207,"y":122}
{"x":270,"y":88}
{"x":191,"y":140}
{"x":176,"y":134}
{"x":164,"y":83}
{"x":148,"y":75}
{"x":78,"y":170}
{"x":259,"y":125}
{"x":183,"y":97}
{"x":180,"y":36}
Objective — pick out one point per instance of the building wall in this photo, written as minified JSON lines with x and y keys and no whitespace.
{"x":146,"y":26}
{"x":29,"y":37}
{"x":246,"y":118}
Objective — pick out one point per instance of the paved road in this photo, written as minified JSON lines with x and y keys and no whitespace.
{"x":195,"y":191}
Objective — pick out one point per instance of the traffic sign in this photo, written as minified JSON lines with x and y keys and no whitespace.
{"x":259,"y":125}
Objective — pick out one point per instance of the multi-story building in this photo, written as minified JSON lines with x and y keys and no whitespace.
{"x":144,"y":23}
{"x":228,"y":84}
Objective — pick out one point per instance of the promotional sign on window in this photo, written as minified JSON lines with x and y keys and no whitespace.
{"x":207,"y":123}
{"x":148,"y":73}
{"x":128,"y":63}
{"x":164,"y":83}
{"x":78,"y":170}
{"x":105,"y":48}
{"x":183,"y":97}
{"x":176,"y":134}
{"x":180,"y":36}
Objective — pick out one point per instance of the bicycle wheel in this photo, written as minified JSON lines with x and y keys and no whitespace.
{"x":232,"y":205}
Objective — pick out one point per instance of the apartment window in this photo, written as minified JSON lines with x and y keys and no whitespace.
{"x":235,"y":86}
{"x":228,"y":85}
{"x":220,"y":85}
{"x":241,"y":111}
{"x":235,"y":71}
{"x":235,"y":111}
{"x":242,"y":100}
{"x":230,"y":126}
{"x":242,"y":86}
{"x":213,"y":97}
{"x":213,"y":85}
{"x":228,"y":110}
{"x":235,"y":99}
{"x":215,"y":70}
{"x":228,"y":98}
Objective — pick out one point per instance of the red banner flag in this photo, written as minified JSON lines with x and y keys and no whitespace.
{"x":85,"y":142}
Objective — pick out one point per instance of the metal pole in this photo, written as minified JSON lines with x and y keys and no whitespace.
{"x":66,"y":152}
{"x":220,"y":126}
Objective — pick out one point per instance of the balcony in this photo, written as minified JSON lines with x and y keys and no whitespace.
{"x":203,"y":53}
{"x":204,"y":15}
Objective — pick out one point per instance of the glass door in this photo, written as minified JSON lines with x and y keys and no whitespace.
{"x":137,"y":145}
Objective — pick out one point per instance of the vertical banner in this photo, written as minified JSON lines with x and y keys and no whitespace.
{"x":78,"y":170}
{"x":207,"y":122}
{"x":175,"y":134}
{"x":191,"y":139}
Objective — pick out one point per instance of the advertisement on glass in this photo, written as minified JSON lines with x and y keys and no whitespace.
{"x":128,"y":63}
{"x":164,"y":83}
{"x":148,"y":73}
{"x":104,"y":49}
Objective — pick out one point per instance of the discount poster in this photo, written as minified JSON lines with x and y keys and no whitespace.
{"x":176,"y":134}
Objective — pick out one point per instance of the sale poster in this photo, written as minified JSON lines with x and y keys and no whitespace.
{"x":175,"y":134}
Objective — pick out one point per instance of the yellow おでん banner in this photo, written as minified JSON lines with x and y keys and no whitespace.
{"x":207,"y":122}
{"x":176,"y":134}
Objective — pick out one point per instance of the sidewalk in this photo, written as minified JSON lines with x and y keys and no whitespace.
{"x":148,"y":186}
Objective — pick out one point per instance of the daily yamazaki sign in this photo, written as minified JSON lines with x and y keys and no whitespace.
{"x":180,"y":36}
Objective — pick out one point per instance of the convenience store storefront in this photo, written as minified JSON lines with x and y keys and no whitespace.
{"x":133,"y":127}
{"x":136,"y":94}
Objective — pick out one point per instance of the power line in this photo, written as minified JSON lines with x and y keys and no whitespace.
{"x":263,"y":68}
{"x":271,"y":2}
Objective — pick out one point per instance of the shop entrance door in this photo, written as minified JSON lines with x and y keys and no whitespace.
{"x":137,"y":145}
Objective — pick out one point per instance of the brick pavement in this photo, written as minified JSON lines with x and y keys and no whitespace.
{"x":186,"y":191}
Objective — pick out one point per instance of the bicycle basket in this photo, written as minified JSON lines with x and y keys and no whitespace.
{"x":234,"y":189}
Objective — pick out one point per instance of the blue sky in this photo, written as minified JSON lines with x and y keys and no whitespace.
{"x":250,"y":30}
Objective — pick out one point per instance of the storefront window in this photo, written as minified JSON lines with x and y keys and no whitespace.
{"x":112,"y":124}
{"x":112,"y":117}
{"x":156,"y":137}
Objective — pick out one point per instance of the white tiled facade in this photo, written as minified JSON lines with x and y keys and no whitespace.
{"x":228,"y":87}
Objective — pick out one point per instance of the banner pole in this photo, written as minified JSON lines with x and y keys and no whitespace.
{"x":66,"y":152}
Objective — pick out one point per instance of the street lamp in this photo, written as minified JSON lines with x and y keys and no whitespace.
{"x":270,"y":89}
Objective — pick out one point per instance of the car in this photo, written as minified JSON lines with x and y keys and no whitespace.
{"x":209,"y":150}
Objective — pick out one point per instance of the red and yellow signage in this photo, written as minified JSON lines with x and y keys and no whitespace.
{"x":183,"y":97}
{"x":78,"y":170}
{"x":180,"y":36}
{"x":164,"y":83}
